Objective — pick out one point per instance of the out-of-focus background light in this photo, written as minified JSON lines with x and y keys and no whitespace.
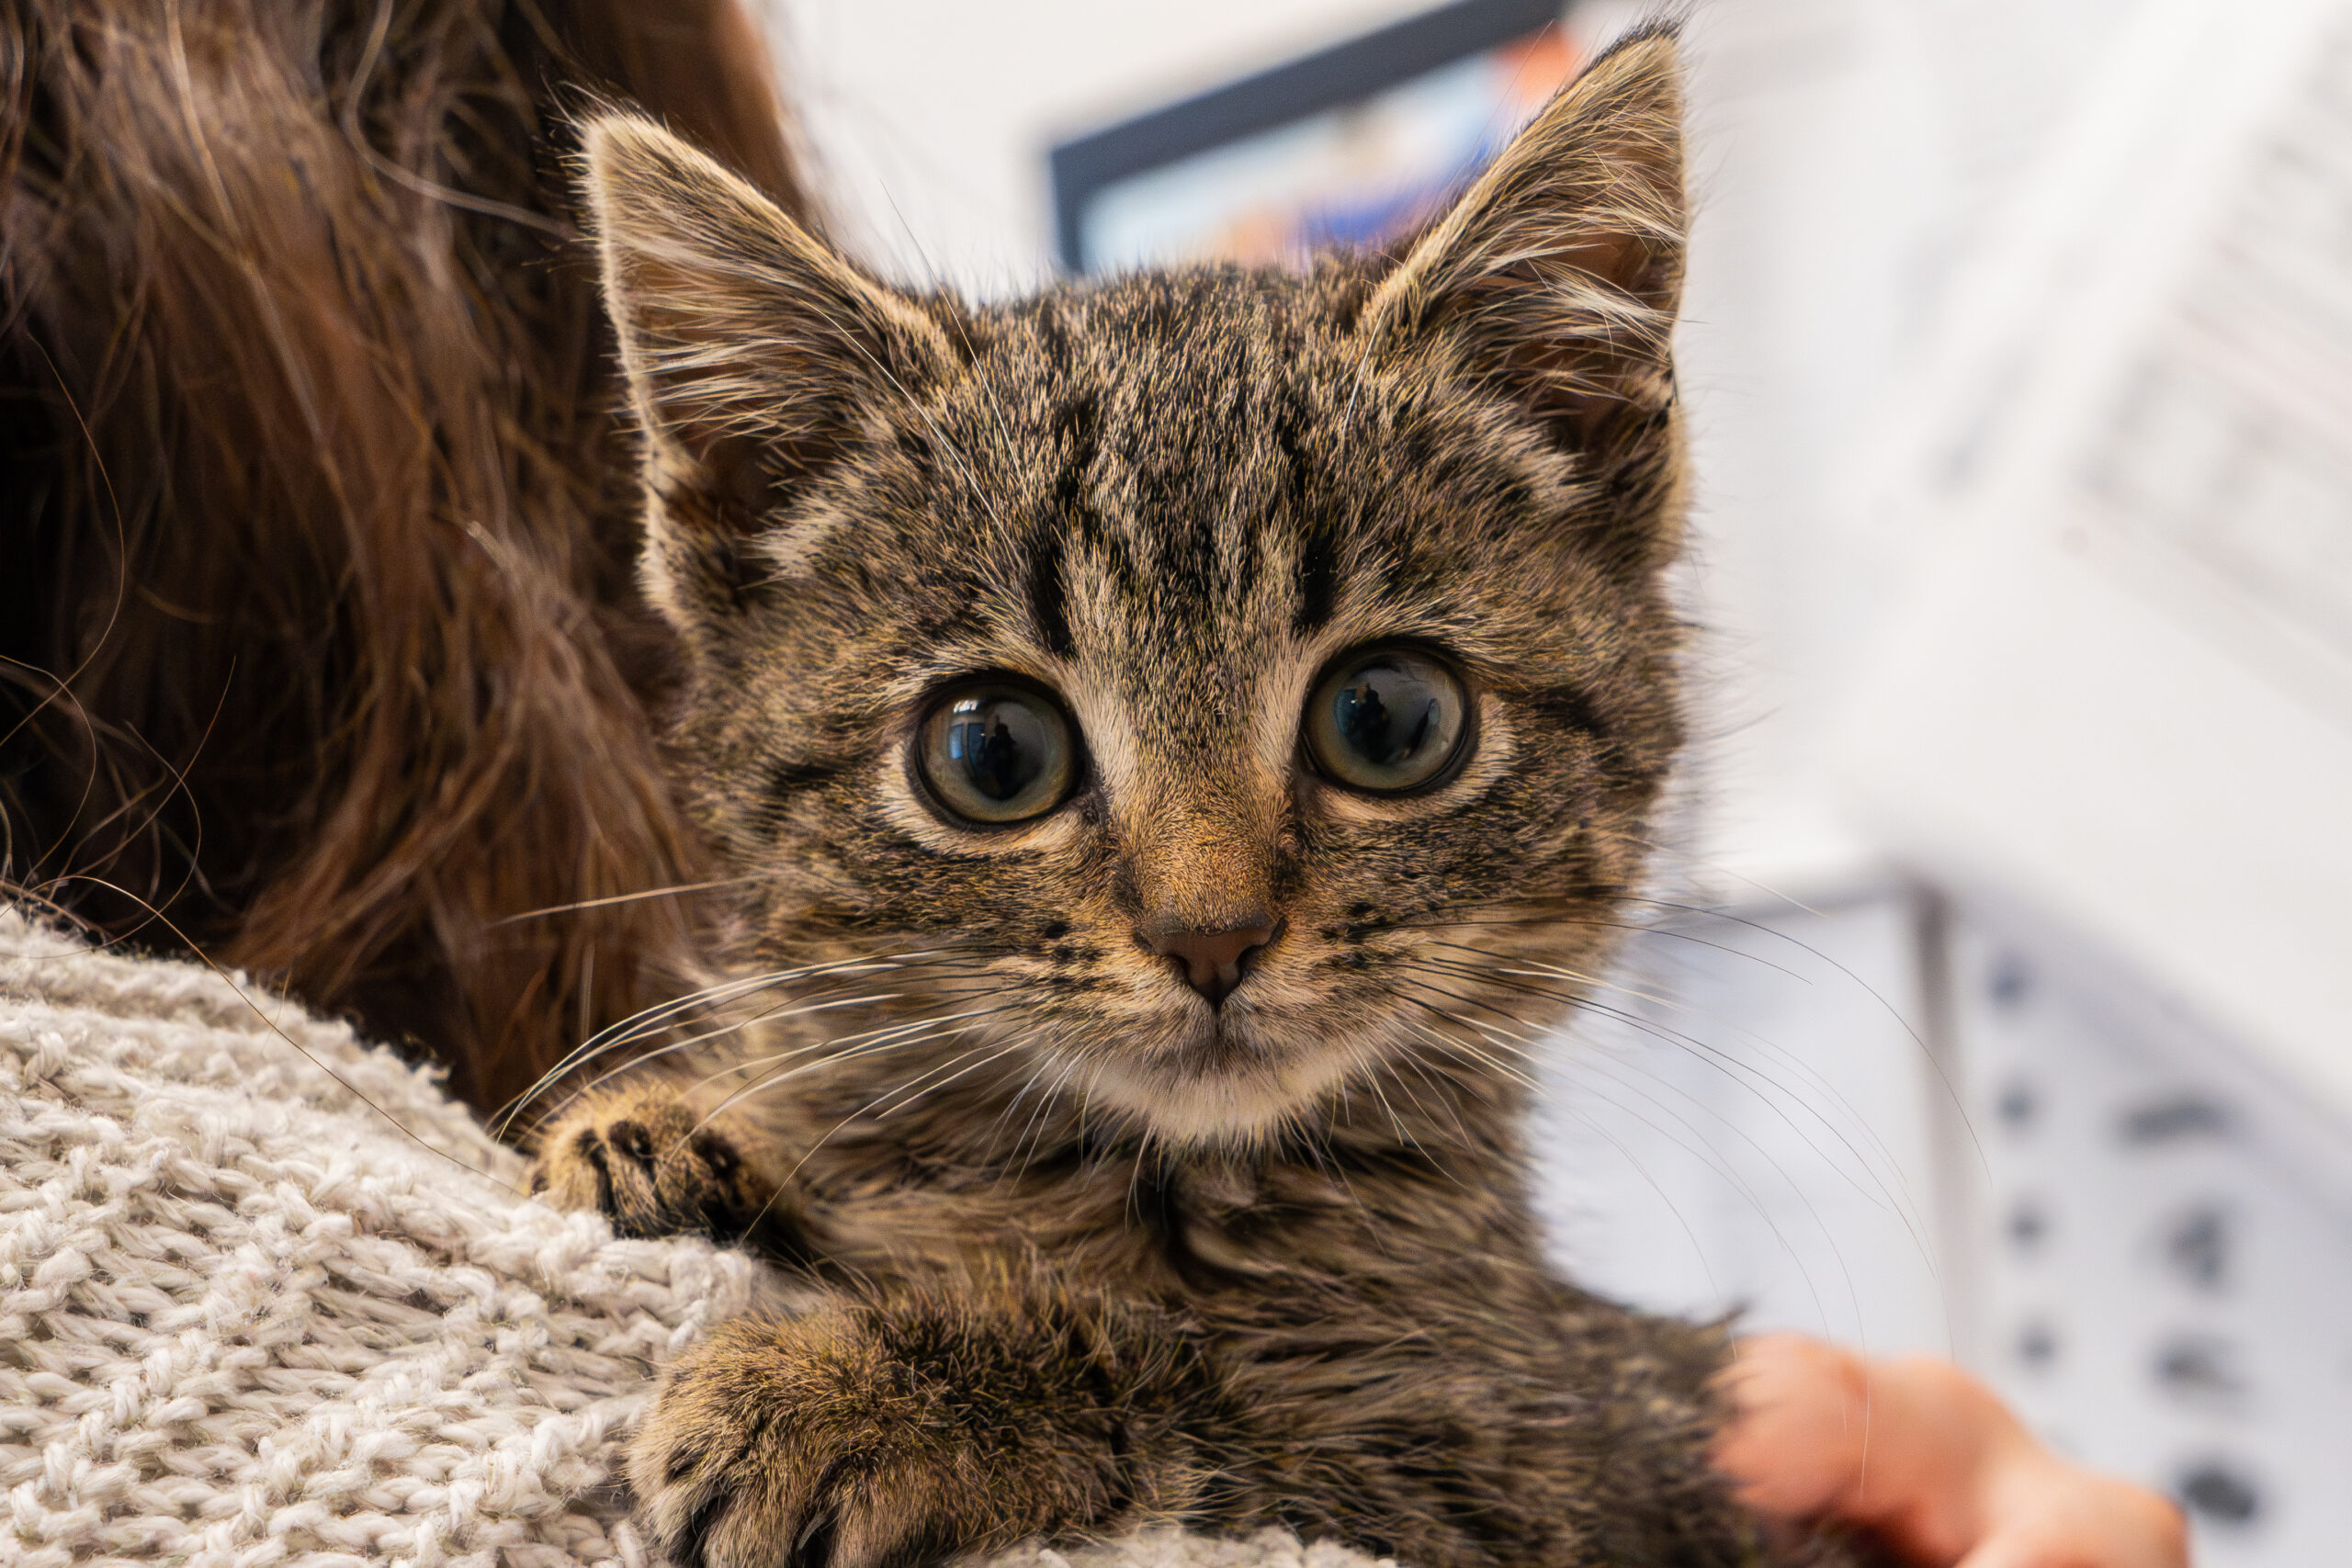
{"x":2000,"y":998}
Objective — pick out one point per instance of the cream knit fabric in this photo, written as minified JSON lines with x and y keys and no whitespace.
{"x":246,"y":1319}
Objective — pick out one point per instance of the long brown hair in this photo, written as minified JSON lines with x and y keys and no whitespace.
{"x":320,"y":634}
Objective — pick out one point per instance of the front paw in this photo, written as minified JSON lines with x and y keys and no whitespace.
{"x":639,"y":1157}
{"x":808,"y":1443}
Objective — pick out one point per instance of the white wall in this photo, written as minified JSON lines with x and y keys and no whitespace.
{"x":928,"y":120}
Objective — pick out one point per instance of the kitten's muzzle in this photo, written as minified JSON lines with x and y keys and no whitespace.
{"x":1212,"y":962}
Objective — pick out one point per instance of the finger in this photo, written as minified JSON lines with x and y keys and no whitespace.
{"x":2054,"y":1514}
{"x":1799,"y":1427}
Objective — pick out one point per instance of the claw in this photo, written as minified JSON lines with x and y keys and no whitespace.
{"x":814,"y":1548}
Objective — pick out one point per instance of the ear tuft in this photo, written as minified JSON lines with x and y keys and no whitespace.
{"x":1556,"y":277}
{"x":754,"y":356}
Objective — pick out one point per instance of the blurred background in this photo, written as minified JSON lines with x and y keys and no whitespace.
{"x":2000,"y":1004}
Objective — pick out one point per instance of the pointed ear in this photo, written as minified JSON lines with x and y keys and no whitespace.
{"x":754,"y":356}
{"x":1556,"y":277}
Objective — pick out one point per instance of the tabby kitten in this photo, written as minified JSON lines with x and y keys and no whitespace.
{"x":1183,"y":740}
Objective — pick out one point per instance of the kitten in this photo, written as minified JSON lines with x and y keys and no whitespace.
{"x":1183,"y":739}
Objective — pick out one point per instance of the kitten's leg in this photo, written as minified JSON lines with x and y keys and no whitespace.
{"x":638,"y":1157}
{"x":1475,"y":1415}
{"x":908,"y":1431}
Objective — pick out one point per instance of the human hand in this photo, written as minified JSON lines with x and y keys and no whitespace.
{"x":1925,"y":1459}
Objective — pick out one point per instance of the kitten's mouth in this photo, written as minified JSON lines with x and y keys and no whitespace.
{"x":1264,"y":1027}
{"x":1225,"y":1042}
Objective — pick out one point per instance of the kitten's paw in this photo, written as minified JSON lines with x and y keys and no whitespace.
{"x":637,"y":1157}
{"x":802,"y":1444}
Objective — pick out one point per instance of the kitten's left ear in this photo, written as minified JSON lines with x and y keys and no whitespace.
{"x":1555,"y":279}
{"x":755,"y":356}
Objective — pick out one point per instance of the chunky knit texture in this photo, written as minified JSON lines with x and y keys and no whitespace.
{"x":245,"y":1318}
{"x":268,"y":1296}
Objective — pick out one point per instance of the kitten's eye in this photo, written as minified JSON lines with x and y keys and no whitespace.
{"x":1386,"y":720}
{"x":997,"y":753}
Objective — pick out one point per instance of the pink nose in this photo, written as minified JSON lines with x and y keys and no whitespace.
{"x":1212,"y":963}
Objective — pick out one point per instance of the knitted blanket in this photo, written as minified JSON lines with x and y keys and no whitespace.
{"x":268,"y":1296}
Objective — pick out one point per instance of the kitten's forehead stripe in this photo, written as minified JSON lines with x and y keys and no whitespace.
{"x":1049,"y":602}
{"x":1318,"y":547}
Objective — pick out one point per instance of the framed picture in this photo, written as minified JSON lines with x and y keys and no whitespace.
{"x":1354,"y":144}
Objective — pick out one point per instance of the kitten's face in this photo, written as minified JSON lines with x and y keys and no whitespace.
{"x":1246,"y":666}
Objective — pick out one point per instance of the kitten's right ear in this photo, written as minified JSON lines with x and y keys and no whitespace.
{"x":1553,"y":280}
{"x":754,"y":356}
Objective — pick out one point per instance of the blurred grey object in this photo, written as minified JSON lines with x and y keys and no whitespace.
{"x":1917,"y":1124}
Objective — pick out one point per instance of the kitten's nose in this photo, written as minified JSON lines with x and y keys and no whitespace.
{"x":1211,"y":962}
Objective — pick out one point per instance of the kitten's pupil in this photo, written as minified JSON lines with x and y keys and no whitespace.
{"x":1373,"y":727}
{"x":998,"y":761}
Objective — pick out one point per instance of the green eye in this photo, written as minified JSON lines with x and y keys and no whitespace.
{"x":997,"y":752}
{"x":1388,"y":720}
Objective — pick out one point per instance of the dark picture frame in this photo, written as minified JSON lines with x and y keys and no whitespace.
{"x":1347,"y":73}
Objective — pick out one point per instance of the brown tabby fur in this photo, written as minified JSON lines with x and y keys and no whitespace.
{"x":316,"y":514}
{"x":1096,"y":1251}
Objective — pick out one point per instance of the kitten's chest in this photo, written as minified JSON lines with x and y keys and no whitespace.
{"x":878,"y":1215}
{"x":1146,"y":1223}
